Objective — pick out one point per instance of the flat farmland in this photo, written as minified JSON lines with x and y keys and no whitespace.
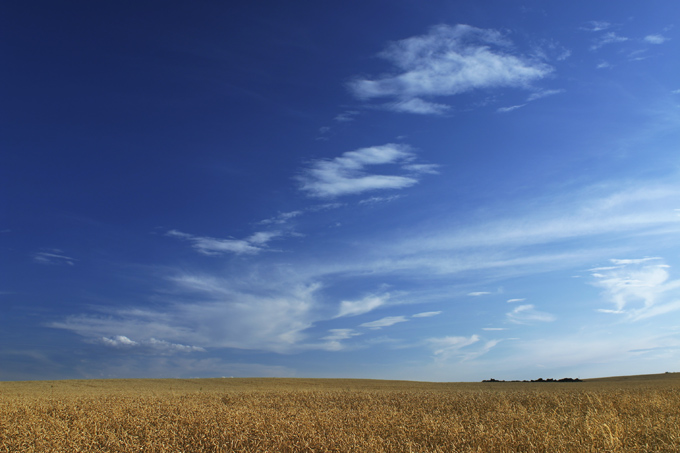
{"x":626,"y":414}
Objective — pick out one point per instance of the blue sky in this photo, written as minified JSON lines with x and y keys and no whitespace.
{"x":439,"y":190}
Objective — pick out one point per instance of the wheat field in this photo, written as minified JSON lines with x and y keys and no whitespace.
{"x":634,"y":414}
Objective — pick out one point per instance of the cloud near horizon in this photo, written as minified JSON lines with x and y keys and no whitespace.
{"x":638,"y":288}
{"x":207,"y":311}
{"x":458,"y":347}
{"x":446,"y":61}
{"x":275,"y":308}
{"x":151,"y":344}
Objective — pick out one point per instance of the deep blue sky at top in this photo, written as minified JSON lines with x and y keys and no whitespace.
{"x":117,"y":97}
{"x":172,"y":172}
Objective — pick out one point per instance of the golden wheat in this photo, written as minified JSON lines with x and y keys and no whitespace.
{"x":225,"y":415}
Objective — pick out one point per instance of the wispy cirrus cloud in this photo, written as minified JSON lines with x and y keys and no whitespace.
{"x":118,"y":341}
{"x":531,"y":98}
{"x":603,"y":38}
{"x":418,"y":106}
{"x":349,"y":175}
{"x":542,"y":94}
{"x":527,"y":314}
{"x":361,"y":306}
{"x":273,"y":308}
{"x":596,"y":25}
{"x":426,"y":314}
{"x":281,"y":218}
{"x":446,"y":61}
{"x":215,"y":246}
{"x":341,"y":334}
{"x":384,"y":322}
{"x":53,"y":257}
{"x":429,"y":169}
{"x":638,"y":288}
{"x":510,"y":108}
{"x":644,"y":209}
{"x":655,"y":39}
{"x":446,"y":346}
{"x":460,"y":347}
{"x":149,"y":345}
{"x":346,"y":116}
{"x":375,"y":200}
{"x":606,"y":39}
{"x":210,"y":311}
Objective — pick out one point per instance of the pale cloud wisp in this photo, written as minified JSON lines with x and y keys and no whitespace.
{"x":448,"y":61}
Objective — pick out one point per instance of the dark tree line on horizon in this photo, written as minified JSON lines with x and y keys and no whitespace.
{"x":538,"y":380}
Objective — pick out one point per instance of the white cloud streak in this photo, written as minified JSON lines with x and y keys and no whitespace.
{"x":597,"y":25}
{"x":346,"y":116}
{"x":590,"y":352}
{"x":212,"y":312}
{"x":458,"y":347}
{"x":384,"y":322}
{"x":427,"y":314}
{"x":431,"y":169}
{"x":348,"y":174}
{"x":631,"y":210}
{"x":281,"y":218}
{"x":53,"y":257}
{"x":607,"y":38}
{"x":638,"y":288}
{"x":418,"y":106}
{"x":149,"y":345}
{"x":272,"y":311}
{"x":375,"y":200}
{"x":118,"y":340}
{"x":341,"y":334}
{"x":445,"y":62}
{"x":359,"y":307}
{"x":655,"y":39}
{"x":214,"y":246}
{"x":447,"y":344}
{"x":509,"y":109}
{"x":543,"y":94}
{"x":527,"y":314}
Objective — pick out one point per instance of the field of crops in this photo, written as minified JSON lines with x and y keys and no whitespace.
{"x":638,"y":414}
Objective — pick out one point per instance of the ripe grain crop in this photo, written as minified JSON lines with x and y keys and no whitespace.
{"x":288,"y":415}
